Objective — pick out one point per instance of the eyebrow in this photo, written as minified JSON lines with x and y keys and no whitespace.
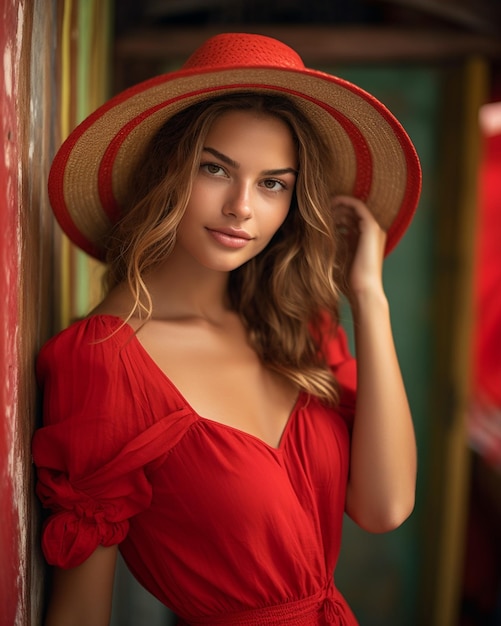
{"x":226,"y":159}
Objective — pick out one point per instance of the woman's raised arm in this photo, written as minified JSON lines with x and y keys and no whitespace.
{"x":382,"y":481}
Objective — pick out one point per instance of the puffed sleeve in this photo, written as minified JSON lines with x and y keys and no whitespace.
{"x":343,"y":366}
{"x":90,"y":474}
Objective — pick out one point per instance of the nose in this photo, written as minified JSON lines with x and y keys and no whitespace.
{"x":238,"y":203}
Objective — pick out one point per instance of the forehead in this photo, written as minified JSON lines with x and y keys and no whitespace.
{"x":240,"y":131}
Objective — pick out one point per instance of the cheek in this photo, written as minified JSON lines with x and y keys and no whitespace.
{"x":283,"y":214}
{"x":276,"y":223}
{"x":196,"y":197}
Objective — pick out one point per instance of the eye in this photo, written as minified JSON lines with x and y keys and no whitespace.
{"x":213,"y":169}
{"x":273,"y":184}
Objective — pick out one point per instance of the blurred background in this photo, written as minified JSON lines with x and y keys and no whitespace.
{"x":436,"y":64}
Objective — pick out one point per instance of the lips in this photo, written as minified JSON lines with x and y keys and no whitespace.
{"x":230,"y":237}
{"x":239,"y":233}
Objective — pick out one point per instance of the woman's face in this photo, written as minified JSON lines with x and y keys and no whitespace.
{"x":242,"y":192}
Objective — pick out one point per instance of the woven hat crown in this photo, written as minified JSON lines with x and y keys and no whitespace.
{"x":230,"y":50}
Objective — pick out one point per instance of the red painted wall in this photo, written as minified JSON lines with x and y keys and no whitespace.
{"x":31,"y":52}
{"x":12,"y":597}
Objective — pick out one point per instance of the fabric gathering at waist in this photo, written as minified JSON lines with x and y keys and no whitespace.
{"x":321,"y":609}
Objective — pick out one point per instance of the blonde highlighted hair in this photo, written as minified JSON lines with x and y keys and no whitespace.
{"x":283,"y":294}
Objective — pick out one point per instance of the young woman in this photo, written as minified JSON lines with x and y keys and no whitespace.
{"x":206,"y":418}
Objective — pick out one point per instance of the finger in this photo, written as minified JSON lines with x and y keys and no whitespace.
{"x":344,"y":205}
{"x":350,"y":203}
{"x":347,"y":223}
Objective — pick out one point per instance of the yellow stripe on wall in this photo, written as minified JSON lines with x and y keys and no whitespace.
{"x":85,"y":75}
{"x":65,"y":260}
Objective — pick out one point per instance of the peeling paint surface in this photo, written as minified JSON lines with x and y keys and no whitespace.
{"x":13,"y":526}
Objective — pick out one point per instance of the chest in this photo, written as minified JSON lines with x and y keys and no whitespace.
{"x":221,"y":377}
{"x":226,"y":499}
{"x":224,"y":478}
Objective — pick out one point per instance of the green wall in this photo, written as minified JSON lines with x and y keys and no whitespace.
{"x":380,"y":574}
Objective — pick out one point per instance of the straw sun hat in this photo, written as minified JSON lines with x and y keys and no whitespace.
{"x":375,"y":159}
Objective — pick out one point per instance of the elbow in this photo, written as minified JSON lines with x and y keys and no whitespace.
{"x":392,"y":519}
{"x":383,"y":519}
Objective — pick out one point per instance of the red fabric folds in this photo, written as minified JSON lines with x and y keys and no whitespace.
{"x":210,"y":519}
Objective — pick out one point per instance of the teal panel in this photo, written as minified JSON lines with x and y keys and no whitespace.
{"x":379,"y":574}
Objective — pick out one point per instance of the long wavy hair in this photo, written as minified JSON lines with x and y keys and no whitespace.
{"x":285,"y":294}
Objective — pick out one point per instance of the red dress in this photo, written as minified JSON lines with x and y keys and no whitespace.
{"x":218,"y":525}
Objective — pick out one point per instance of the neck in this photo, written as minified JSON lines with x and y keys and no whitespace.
{"x":180,"y":289}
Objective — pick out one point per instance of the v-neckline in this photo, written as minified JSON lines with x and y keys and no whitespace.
{"x":150,"y":361}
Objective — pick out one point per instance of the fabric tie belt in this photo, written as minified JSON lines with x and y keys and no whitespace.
{"x":322,"y":609}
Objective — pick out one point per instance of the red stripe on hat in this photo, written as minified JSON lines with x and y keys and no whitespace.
{"x":105,"y":171}
{"x":58,"y":168}
{"x":362,"y":185}
{"x":412,"y":188}
{"x":363,"y":178}
{"x":413,"y":183}
{"x":60,"y":208}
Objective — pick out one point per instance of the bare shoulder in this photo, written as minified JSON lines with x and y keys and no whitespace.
{"x":118,"y":303}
